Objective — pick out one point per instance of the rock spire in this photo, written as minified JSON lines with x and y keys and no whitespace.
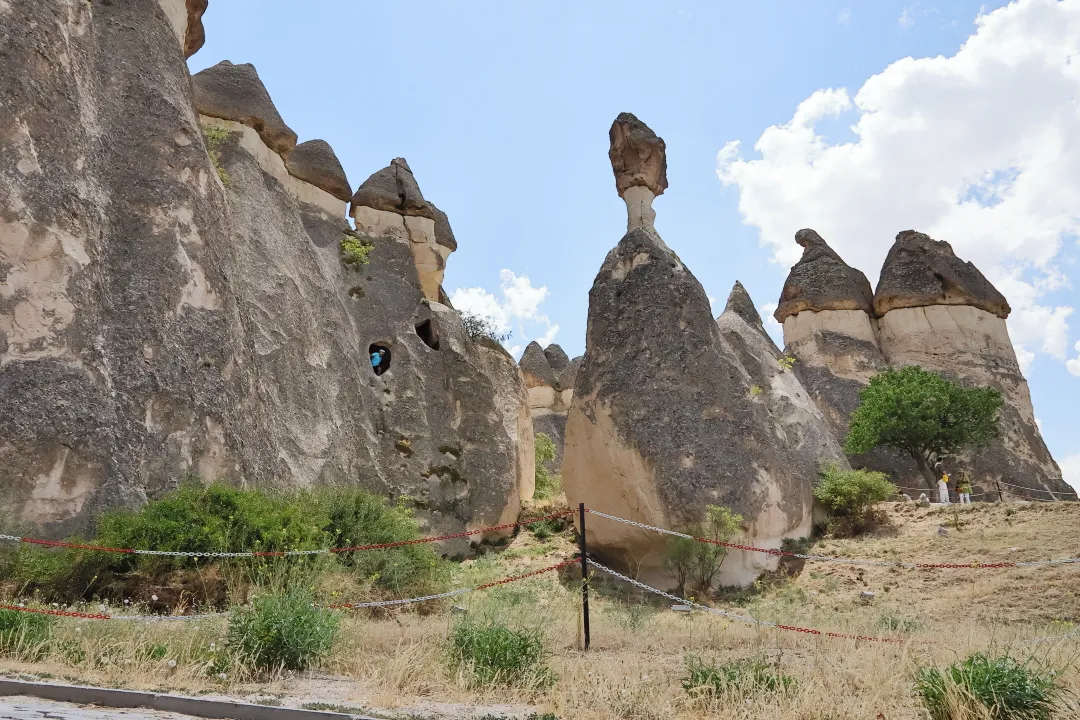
{"x":639,"y":160}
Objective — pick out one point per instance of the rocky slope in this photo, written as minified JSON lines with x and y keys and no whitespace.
{"x":176,"y":299}
{"x":664,"y":420}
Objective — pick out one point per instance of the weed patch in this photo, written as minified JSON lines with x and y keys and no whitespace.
{"x":281,"y":631}
{"x":492,"y":653}
{"x":735,"y":679}
{"x":995,"y":688}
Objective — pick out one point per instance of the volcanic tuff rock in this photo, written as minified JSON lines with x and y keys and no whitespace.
{"x":940,"y":313}
{"x":235,"y":92}
{"x":822,"y":281}
{"x":664,"y":423}
{"x":394,"y":188}
{"x":921,"y":271}
{"x":156,"y":322}
{"x":549,"y":375}
{"x":826,"y":308}
{"x":314,"y":161}
{"x":536,"y":367}
{"x":557,"y":358}
{"x":639,"y":160}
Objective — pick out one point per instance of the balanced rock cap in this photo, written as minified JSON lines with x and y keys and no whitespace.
{"x":739,"y":302}
{"x":535,"y":366}
{"x":394,"y":189}
{"x":821,"y":280}
{"x":235,"y":92}
{"x":638,"y":156}
{"x":444,"y":235}
{"x":557,"y":358}
{"x":195,"y":33}
{"x":314,"y":161}
{"x":568,"y":377}
{"x":921,"y":271}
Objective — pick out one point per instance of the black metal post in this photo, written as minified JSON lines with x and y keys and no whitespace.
{"x":584,"y":574}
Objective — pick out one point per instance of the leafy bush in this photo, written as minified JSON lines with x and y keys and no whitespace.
{"x":492,"y":653}
{"x":479,"y":327}
{"x":281,"y":631}
{"x":739,"y":678}
{"x":215,"y":138}
{"x":354,"y":253}
{"x":694,"y":562}
{"x":23,"y":632}
{"x":548,"y":484}
{"x":849,"y":495}
{"x":996,"y":688}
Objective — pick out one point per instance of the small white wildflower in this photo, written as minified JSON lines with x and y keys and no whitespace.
{"x":213,"y":645}
{"x":126,"y":601}
{"x":221,"y":676}
{"x":154,"y":598}
{"x":102,"y":608}
{"x":171,"y":663}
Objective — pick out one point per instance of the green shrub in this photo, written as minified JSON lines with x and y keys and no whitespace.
{"x":492,"y":653}
{"x":996,"y":688}
{"x":281,"y":631}
{"x":215,"y":138}
{"x":354,"y":253}
{"x":478,"y":327}
{"x":548,"y":484}
{"x":694,"y":563}
{"x":849,"y":495}
{"x":23,"y":632}
{"x":739,"y":678}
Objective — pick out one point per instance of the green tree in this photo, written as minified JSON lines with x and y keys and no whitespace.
{"x":548,"y":484}
{"x":478,"y":327}
{"x":695,"y":562}
{"x":924,"y":415}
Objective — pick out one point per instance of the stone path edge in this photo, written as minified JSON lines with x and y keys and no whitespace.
{"x":197,"y":707}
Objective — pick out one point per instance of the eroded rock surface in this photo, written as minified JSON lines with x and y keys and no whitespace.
{"x":822,"y":281}
{"x":314,"y":162}
{"x":235,"y":92}
{"x":166,"y":310}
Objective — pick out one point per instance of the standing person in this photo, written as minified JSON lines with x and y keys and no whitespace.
{"x":377,"y":361}
{"x":943,"y":485}
{"x":963,"y":488}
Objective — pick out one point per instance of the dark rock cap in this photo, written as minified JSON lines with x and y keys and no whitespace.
{"x":534,"y":365}
{"x":394,"y":188}
{"x":568,"y":377}
{"x":444,"y":235}
{"x":821,"y":280}
{"x":921,"y":271}
{"x":638,"y":156}
{"x":195,"y":34}
{"x":557,"y":358}
{"x":739,"y":302}
{"x":235,"y":92}
{"x":314,"y":161}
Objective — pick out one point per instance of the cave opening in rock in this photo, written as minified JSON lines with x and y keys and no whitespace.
{"x":427,"y":332}
{"x":380,"y":358}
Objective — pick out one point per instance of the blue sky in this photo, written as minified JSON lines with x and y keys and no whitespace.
{"x":502,"y":110}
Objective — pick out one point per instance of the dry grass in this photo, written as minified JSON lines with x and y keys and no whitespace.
{"x":396,"y":665}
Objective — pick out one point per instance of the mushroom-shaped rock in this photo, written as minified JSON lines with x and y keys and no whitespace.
{"x":314,"y":161}
{"x":638,"y":156}
{"x":235,"y":92}
{"x":535,"y":366}
{"x":822,"y":281}
{"x":194,"y":33}
{"x":920,"y":271}
{"x":664,"y":422}
{"x":557,"y":358}
{"x":394,"y":189}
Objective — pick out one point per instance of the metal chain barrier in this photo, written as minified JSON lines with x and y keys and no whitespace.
{"x":281,"y":553}
{"x":843,"y":561}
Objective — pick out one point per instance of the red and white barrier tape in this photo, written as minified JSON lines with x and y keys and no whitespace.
{"x":336,"y":606}
{"x":281,"y":553}
{"x":742,"y":618}
{"x":843,"y":561}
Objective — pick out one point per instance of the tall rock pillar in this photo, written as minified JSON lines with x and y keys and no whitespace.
{"x":941,"y":313}
{"x":663,"y":422}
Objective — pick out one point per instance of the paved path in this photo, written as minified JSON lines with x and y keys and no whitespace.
{"x":24,"y":708}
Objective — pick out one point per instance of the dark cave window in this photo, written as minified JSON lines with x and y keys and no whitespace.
{"x":426,"y":331}
{"x":380,"y":358}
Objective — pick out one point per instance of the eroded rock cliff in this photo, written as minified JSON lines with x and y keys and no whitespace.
{"x":176,"y":299}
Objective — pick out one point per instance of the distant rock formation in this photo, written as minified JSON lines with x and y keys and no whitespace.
{"x":939,"y":312}
{"x":827,"y":310}
{"x":930,"y":309}
{"x":549,"y":374}
{"x":664,"y":420}
{"x":174,"y":298}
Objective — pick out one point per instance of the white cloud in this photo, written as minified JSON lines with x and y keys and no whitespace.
{"x":1073,"y":365}
{"x":1070,"y":470}
{"x":518,"y":310}
{"x":906,"y":19}
{"x":775,"y":329}
{"x":844,"y":16}
{"x":981,"y":149}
